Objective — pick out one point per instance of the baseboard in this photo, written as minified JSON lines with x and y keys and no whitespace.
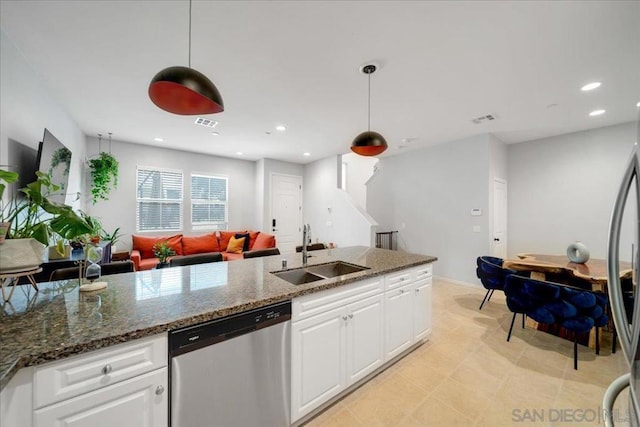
{"x":459,"y":282}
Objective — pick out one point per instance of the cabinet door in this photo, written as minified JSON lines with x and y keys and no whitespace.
{"x":422,"y":310}
{"x":138,"y":402}
{"x":398,"y":321}
{"x":365,"y":337}
{"x":317,"y":360}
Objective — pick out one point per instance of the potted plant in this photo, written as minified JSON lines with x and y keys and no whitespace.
{"x":8,"y":178}
{"x":111,"y":238}
{"x":104,"y":174}
{"x":163,"y":251}
{"x":96,"y":227}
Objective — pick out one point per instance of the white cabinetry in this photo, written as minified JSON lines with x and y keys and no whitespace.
{"x":407,"y":309}
{"x":333,"y":348}
{"x":125,"y":385}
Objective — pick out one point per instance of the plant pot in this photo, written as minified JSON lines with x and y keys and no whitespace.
{"x":95,"y":239}
{"x":21,"y":255}
{"x":4,"y":229}
{"x":162,"y":265}
{"x":54,"y":254}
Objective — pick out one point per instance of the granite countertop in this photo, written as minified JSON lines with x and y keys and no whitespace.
{"x":59,"y":321}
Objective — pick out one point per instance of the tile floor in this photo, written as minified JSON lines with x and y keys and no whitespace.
{"x":469,"y":375}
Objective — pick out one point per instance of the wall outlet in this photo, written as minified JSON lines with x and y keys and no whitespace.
{"x":477,"y":229}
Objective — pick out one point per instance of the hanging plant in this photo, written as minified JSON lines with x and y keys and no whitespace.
{"x":61,"y":156}
{"x":104,"y":175}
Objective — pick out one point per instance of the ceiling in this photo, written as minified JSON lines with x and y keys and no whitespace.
{"x":441,"y":64}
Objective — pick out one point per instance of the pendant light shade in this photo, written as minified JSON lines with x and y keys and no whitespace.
{"x":183,"y":90}
{"x":369,"y":143}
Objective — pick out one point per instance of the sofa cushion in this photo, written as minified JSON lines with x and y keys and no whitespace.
{"x":264,"y":241}
{"x":235,"y":246}
{"x":145,"y":244}
{"x":245,"y":236}
{"x":192,"y":245}
{"x":148,"y":263}
{"x":224,"y":237}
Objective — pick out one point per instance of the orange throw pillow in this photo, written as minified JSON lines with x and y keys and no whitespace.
{"x":264,"y":241}
{"x":253,"y":235}
{"x":224,"y":239}
{"x":145,"y":244}
{"x":235,"y":245}
{"x":200,"y":244}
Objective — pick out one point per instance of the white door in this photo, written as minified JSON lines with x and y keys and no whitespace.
{"x":138,"y":402}
{"x":365,"y":337}
{"x":499,"y":239}
{"x":422,"y":310}
{"x":398,"y":321}
{"x":286,"y":211}
{"x":317,"y":360}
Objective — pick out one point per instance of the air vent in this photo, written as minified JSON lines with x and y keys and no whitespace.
{"x":484,"y":119}
{"x":206,"y":122}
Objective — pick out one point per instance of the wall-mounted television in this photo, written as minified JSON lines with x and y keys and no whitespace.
{"x":54,"y":158}
{"x":23,"y":160}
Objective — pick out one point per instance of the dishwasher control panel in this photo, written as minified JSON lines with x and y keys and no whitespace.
{"x":194,"y":337}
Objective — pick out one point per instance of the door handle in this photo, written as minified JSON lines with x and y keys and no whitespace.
{"x":495,"y":239}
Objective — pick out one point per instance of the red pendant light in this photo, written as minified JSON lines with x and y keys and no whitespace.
{"x":369,"y":143}
{"x":185,"y":91}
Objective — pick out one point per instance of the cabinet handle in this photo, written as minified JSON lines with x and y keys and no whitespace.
{"x":417,"y":291}
{"x":107,"y":369}
{"x":351,"y":316}
{"x":159,"y":390}
{"x":402,"y":291}
{"x":344,"y":318}
{"x":402,"y":279}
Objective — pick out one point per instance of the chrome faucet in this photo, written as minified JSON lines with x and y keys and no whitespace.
{"x":306,"y":232}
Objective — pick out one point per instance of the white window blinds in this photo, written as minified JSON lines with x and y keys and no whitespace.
{"x":209,"y":202}
{"x":159,"y":199}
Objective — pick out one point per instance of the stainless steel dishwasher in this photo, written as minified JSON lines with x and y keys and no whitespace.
{"x":233,"y":371}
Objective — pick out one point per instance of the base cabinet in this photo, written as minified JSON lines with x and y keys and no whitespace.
{"x":138,"y":402}
{"x":398,"y":321}
{"x":422,"y":309}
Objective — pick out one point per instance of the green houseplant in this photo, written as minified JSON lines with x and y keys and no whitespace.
{"x":163,"y":251}
{"x":104,"y":175}
{"x":8,"y":178}
{"x":111,"y":237}
{"x":61,"y":156}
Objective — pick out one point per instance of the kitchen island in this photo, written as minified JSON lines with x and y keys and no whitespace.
{"x":59,"y":321}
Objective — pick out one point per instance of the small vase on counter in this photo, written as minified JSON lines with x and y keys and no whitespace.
{"x":577,"y":252}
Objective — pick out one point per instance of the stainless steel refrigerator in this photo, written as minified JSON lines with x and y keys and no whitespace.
{"x":628,"y":328}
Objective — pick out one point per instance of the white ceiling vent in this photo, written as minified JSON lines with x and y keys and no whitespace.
{"x":484,"y":119}
{"x":206,"y":122}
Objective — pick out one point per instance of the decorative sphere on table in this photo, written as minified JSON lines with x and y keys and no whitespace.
{"x":577,"y":252}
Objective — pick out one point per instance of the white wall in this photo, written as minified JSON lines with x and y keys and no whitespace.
{"x":329,"y":210}
{"x":427,"y":195}
{"x":359,"y":170}
{"x":562,"y":189}
{"x":120,"y":209}
{"x":27,"y":106}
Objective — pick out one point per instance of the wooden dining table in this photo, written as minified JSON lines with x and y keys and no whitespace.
{"x":594,"y":270}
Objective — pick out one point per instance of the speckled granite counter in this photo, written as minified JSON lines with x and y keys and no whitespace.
{"x":59,"y":321}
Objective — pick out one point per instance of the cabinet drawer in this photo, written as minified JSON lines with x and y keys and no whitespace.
{"x":309,"y":305}
{"x":80,"y":374}
{"x":397,"y":279}
{"x":423,"y":272}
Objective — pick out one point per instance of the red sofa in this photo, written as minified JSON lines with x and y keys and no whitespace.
{"x":144,"y":259}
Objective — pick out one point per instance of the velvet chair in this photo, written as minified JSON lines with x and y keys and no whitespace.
{"x":195,"y":259}
{"x":628,"y":300}
{"x":577,"y":310}
{"x":491,"y":274}
{"x":261,"y":252}
{"x":106,"y":269}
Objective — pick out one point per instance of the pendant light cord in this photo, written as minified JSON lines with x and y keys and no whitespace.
{"x":109,"y":142}
{"x":189,"y":33}
{"x":99,"y":143}
{"x":369,"y":106}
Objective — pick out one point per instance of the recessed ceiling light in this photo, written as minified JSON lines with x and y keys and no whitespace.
{"x":638,"y":104}
{"x":590,"y":86}
{"x":215,"y":133}
{"x":306,"y":154}
{"x":281,"y":128}
{"x":597,"y":112}
{"x":239,"y":153}
{"x":158,"y":139}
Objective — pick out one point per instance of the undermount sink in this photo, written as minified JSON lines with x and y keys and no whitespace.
{"x":312,"y":273}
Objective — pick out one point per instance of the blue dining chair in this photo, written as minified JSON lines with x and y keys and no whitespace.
{"x":491,"y":274}
{"x":574,"y":309}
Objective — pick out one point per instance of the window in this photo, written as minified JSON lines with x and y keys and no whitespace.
{"x":208,"y":202}
{"x":159,"y":199}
